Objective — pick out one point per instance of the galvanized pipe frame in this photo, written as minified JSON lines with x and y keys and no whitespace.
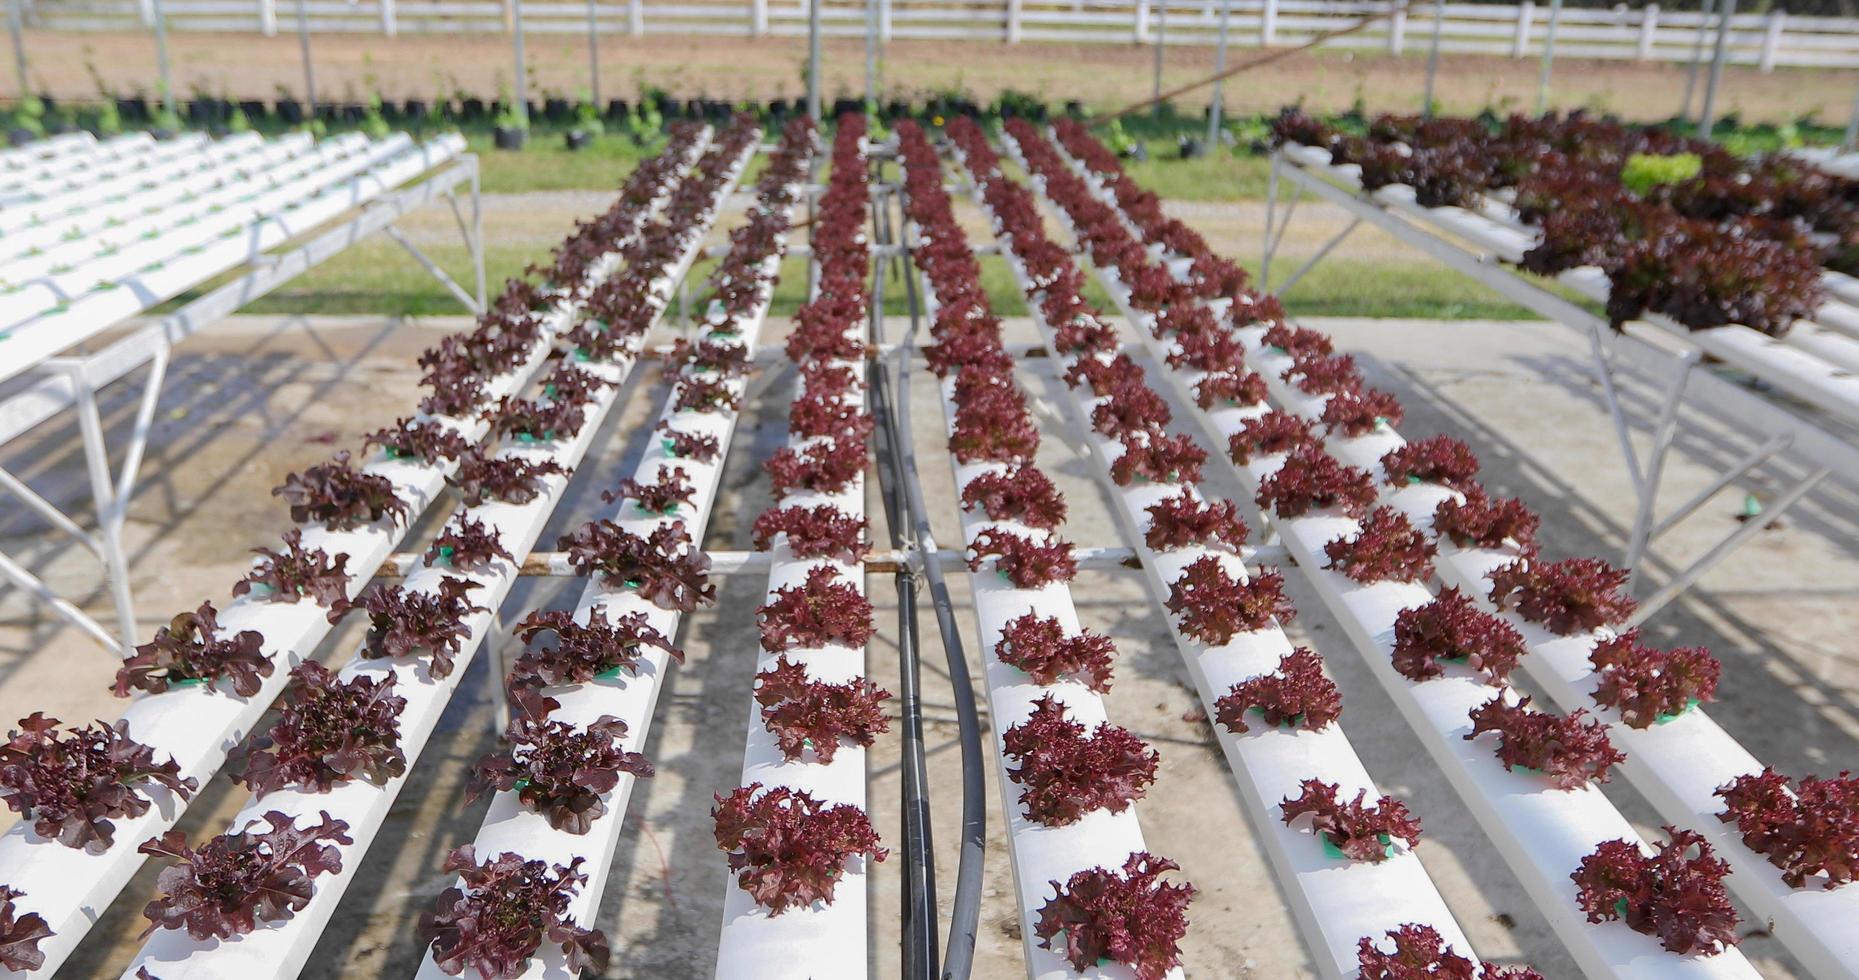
{"x":74,"y":382}
{"x":1729,"y":402}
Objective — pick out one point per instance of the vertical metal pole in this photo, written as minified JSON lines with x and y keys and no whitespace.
{"x":1697,"y":57}
{"x":1161,"y":45}
{"x":522,"y":78}
{"x":813,"y":60}
{"x":871,"y":52}
{"x":1549,"y":57}
{"x":1708,"y":117}
{"x":1439,"y":24}
{"x":593,"y":56}
{"x":96,"y":457}
{"x":477,"y":229}
{"x":161,"y":58}
{"x":16,"y":22}
{"x":1213,"y":110}
{"x":309,"y":71}
{"x":1852,"y":128}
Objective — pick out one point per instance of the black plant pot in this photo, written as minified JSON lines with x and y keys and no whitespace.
{"x":577,"y":139}
{"x":58,"y":127}
{"x":510,"y":137}
{"x":413,"y":109}
{"x":1139,"y":153}
{"x":20,"y":136}
{"x":555,"y":110}
{"x":132,"y":109}
{"x":471,"y":109}
{"x":254,"y":109}
{"x":290,"y":111}
{"x":1191,"y":149}
{"x":616,"y":109}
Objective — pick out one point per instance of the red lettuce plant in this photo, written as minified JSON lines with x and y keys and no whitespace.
{"x":191,"y":648}
{"x":1481,"y":522}
{"x":1388,"y":548}
{"x":467,"y":545}
{"x":583,"y":651}
{"x":820,"y":612}
{"x":989,"y":434}
{"x":828,"y":466}
{"x":821,"y":531}
{"x":1268,"y":435}
{"x":684,"y":444}
{"x":816,"y":416}
{"x":695,"y":394}
{"x":1420,"y":953}
{"x":1231,"y":386}
{"x":787,"y":849}
{"x":422,"y":439}
{"x":804,"y":713}
{"x":503,"y":911}
{"x":1647,"y":685}
{"x":1026,"y":563}
{"x":1038,"y":645}
{"x":558,"y":770}
{"x":667,"y":567}
{"x":1065,"y":773}
{"x":1311,"y":479}
{"x":569,"y":385}
{"x":238,"y":881}
{"x":1352,"y":414}
{"x":329,"y":732}
{"x":535,"y":420}
{"x":1186,"y":519}
{"x":1439,"y":459}
{"x":511,"y":479}
{"x":1319,"y":375}
{"x":1152,"y":457}
{"x":709,"y":357}
{"x":71,"y":785}
{"x":661,"y":496}
{"x":1569,"y":596}
{"x":1676,"y":894}
{"x":1018,"y":493}
{"x":340,"y":497}
{"x":824,"y":379}
{"x":20,"y":935}
{"x":1103,"y":377}
{"x":1571,"y":751}
{"x":1359,"y":832}
{"x":1811,"y":830}
{"x":1298,"y":695}
{"x":1130,"y":407}
{"x":1213,"y":607}
{"x":1298,"y":341}
{"x":295,"y":572}
{"x":1452,"y":628}
{"x":1206,"y":350}
{"x":403,"y":623}
{"x":1131,"y":917}
{"x":457,"y":391}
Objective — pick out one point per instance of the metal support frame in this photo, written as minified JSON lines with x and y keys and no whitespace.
{"x":73,"y":383}
{"x":1731,"y":403}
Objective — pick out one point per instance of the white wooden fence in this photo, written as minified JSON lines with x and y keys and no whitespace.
{"x":1649,"y":34}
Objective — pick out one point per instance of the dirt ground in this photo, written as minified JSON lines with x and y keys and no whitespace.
{"x":1101,"y":75}
{"x":257,"y":397}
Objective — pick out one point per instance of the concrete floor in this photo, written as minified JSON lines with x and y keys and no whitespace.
{"x":254,"y":399}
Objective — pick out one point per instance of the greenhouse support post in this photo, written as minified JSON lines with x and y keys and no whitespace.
{"x":309,"y":71}
{"x":1213,"y":110}
{"x":1549,"y":56}
{"x":813,"y":60}
{"x":15,"y":24}
{"x":1708,"y":118}
{"x":1161,"y":45}
{"x":161,"y":56}
{"x":522,"y":88}
{"x":1697,"y":57}
{"x":593,"y":55}
{"x":1439,"y":24}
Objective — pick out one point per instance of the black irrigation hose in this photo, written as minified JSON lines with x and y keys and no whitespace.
{"x":965,"y":913}
{"x":919,"y":891}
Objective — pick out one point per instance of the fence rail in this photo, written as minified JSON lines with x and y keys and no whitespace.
{"x":1764,"y":40}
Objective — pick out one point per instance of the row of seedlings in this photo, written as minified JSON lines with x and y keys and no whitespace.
{"x":1695,"y":774}
{"x":1536,"y":797}
{"x":1331,"y":835}
{"x":796,"y":829}
{"x":422,"y":636}
{"x":49,"y":314}
{"x":203,"y":684}
{"x":1089,"y":891}
{"x":586,"y":687}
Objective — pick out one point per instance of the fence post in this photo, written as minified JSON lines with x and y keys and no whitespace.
{"x":1649,"y":30}
{"x":1397,"y":31}
{"x":1520,"y":46}
{"x":147,"y":10}
{"x":635,"y":18}
{"x":390,"y":25}
{"x":1268,"y":24}
{"x":1142,"y":22}
{"x":1772,"y":38}
{"x":268,"y":17}
{"x":884,"y":21}
{"x":1013,"y":21}
{"x":758,"y":18}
